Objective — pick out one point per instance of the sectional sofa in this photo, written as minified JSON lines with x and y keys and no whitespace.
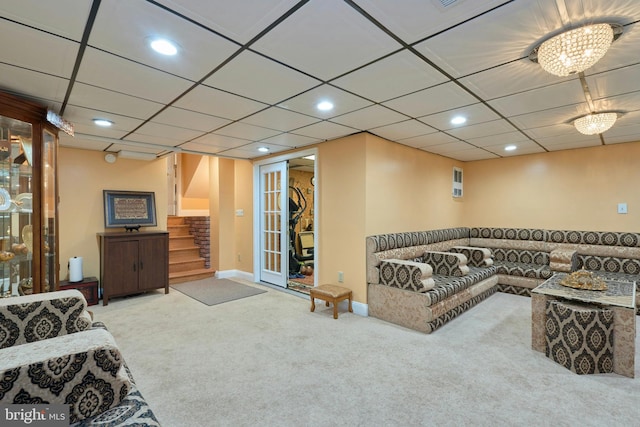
{"x":422,"y":280}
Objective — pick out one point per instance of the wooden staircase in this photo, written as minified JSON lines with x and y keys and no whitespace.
{"x":185,"y":263}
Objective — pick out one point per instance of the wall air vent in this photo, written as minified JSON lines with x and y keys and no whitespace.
{"x":457,"y":182}
{"x":446,"y":3}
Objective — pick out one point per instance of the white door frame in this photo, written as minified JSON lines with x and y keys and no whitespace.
{"x":256,"y":211}
{"x":273,"y":218}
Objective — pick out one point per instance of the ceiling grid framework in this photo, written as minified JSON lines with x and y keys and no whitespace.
{"x":250,"y":74}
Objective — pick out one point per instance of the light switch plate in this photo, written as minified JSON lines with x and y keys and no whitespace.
{"x":622,"y":208}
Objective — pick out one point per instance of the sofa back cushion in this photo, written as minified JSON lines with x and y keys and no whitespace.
{"x":521,"y":256}
{"x":609,"y":264}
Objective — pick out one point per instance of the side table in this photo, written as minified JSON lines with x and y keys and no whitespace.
{"x":88,"y":286}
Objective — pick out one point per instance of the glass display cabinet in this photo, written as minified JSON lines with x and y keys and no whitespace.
{"x":28,"y":198}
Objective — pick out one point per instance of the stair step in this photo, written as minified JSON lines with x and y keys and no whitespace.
{"x":176,"y":242}
{"x":186,"y":265}
{"x":184,"y":254}
{"x":175,"y":220}
{"x":188,"y":276}
{"x":178,"y":230}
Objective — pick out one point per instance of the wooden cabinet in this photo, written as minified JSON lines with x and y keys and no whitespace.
{"x":133,"y":262}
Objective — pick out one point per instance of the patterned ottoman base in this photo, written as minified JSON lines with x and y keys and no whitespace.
{"x":580,"y":337}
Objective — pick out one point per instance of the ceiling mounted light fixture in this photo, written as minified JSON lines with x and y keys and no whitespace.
{"x":458,"y":120}
{"x":103,"y":123}
{"x":575,"y":50}
{"x":510,"y":147}
{"x":595,"y":123}
{"x":325,"y":106}
{"x":164,"y":47}
{"x":263,"y":149}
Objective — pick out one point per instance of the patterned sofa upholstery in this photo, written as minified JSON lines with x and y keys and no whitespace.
{"x":456,"y":286}
{"x":513,"y":260}
{"x":51,"y":352}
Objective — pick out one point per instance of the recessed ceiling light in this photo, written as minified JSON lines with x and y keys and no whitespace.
{"x":325,"y":106}
{"x":458,"y":120}
{"x":510,"y":148}
{"x":263,"y":149}
{"x":164,"y":47}
{"x":103,"y":122}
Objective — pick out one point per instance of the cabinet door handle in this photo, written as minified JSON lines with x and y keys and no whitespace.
{"x":141,"y":265}
{"x":134,"y":266}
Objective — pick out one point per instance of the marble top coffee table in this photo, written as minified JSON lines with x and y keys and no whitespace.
{"x":619,"y":297}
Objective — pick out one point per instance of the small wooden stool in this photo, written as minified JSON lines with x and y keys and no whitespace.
{"x":330,"y":293}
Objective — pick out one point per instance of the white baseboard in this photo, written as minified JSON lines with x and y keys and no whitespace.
{"x":225,"y":274}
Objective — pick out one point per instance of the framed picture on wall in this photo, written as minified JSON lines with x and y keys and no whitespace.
{"x":129,"y":208}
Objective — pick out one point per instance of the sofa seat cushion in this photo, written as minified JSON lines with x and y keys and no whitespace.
{"x":445,"y":286}
{"x":521,"y":269}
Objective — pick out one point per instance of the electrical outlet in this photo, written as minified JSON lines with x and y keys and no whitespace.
{"x":622,"y":208}
{"x":340,"y":277}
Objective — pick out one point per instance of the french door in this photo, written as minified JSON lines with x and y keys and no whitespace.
{"x":273,"y":224}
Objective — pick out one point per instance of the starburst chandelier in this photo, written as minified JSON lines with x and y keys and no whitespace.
{"x":576,"y":50}
{"x":595,"y":123}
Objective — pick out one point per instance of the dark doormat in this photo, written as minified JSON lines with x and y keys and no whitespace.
{"x":216,"y":291}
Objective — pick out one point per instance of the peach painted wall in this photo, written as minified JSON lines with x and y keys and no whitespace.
{"x":82,"y":175}
{"x":243,"y":225}
{"x":408,"y":189}
{"x":342,"y":216}
{"x":194,"y":182}
{"x":572,"y":189}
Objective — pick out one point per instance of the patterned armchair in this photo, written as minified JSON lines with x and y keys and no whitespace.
{"x":50,"y":354}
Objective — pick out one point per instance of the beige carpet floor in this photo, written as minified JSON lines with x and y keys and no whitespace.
{"x":268,"y":361}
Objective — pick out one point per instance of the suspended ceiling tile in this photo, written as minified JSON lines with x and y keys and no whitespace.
{"x":616,"y":82}
{"x":211,"y":101}
{"x":126,"y":28}
{"x":292,"y":140}
{"x":108,"y":71}
{"x":219,"y":141}
{"x":550,"y":131}
{"x":471,"y":155}
{"x":251,"y":150}
{"x":522,"y":76}
{"x":343,"y":102}
{"x":36,"y":50}
{"x":325,"y":131}
{"x":433,"y":100}
{"x":280,"y":119}
{"x":483,"y":42}
{"x":417,"y":19}
{"x":394,"y":76}
{"x":246,"y":131}
{"x":99,"y":99}
{"x":201,"y":148}
{"x":274,"y":82}
{"x":570,"y":140}
{"x":621,"y":103}
{"x":169,"y":132}
{"x":325,"y":39}
{"x":554,"y":96}
{"x":240,"y":21}
{"x":82,"y":119}
{"x":189,"y":119}
{"x":495,"y":127}
{"x":431,"y":139}
{"x":82,"y":143}
{"x":135,"y":147}
{"x":66,"y":18}
{"x":153,"y":139}
{"x":522,"y":147}
{"x":474,"y":114}
{"x":32,"y":84}
{"x":403,"y":130}
{"x":448,"y":148}
{"x":369,"y":117}
{"x":553,"y":116}
{"x":502,"y":139}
